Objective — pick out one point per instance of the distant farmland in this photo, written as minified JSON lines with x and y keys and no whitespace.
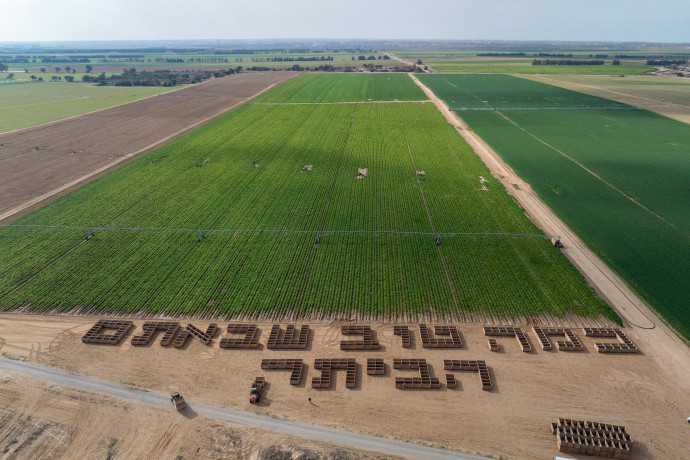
{"x":29,"y":104}
{"x":617,"y":175}
{"x":309,"y":210}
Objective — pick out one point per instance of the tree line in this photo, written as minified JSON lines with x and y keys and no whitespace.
{"x":567,"y":62}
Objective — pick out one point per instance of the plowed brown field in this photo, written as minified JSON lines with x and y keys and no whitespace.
{"x":41,"y":163}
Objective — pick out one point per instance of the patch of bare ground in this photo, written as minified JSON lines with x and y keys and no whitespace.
{"x":644,"y":392}
{"x":44,"y":162}
{"x":43,"y":420}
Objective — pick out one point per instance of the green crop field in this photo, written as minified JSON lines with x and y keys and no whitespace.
{"x":617,"y":175}
{"x":346,"y":88}
{"x":29,"y":104}
{"x":375,"y":184}
{"x":524,"y":66}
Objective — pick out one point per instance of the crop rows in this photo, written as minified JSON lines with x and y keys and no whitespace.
{"x":295,"y":168}
{"x":346,"y":88}
{"x":629,"y":204}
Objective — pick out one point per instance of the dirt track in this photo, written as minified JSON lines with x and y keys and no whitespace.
{"x":41,"y":163}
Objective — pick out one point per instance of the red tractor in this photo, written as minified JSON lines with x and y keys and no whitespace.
{"x":255,"y":392}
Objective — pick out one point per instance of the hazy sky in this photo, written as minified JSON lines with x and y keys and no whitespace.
{"x":609,"y":20}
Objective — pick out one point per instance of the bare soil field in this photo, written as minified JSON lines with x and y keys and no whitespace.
{"x":43,"y":162}
{"x":643,"y":392}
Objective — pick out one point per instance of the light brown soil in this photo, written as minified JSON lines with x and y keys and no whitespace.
{"x":43,"y":162}
{"x":642,"y":392}
{"x":43,"y":420}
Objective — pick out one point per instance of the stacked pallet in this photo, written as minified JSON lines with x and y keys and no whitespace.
{"x":150,"y":328}
{"x":425,"y":381}
{"x":296,"y":365}
{"x":193,"y":331}
{"x":328,"y":365}
{"x":450,"y":381}
{"x":375,"y":366}
{"x":368,"y":342}
{"x":625,"y":345}
{"x":250,"y":339}
{"x":290,"y":340}
{"x":471,"y":366}
{"x":96,"y":333}
{"x":404,"y":333}
{"x":429,"y":342}
{"x":572,"y":344}
{"x":259,"y":382}
{"x":493,"y":345}
{"x":509,"y":332}
{"x":592,"y":438}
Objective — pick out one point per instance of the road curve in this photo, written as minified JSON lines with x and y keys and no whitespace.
{"x":344,"y":438}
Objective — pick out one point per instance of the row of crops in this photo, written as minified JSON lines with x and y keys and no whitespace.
{"x":345,"y":88}
{"x":293,"y":169}
{"x":618,"y":176}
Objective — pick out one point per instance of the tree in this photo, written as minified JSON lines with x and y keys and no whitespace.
{"x":43,"y":70}
{"x":57,"y":69}
{"x":361,"y":58}
{"x":40,"y":78}
{"x":419,"y":62}
{"x":616,"y":62}
{"x":26,"y":70}
{"x":10,"y":76}
{"x":3,"y":67}
{"x":33,"y":77}
{"x":89,"y":68}
{"x":68,"y":69}
{"x":69,"y":78}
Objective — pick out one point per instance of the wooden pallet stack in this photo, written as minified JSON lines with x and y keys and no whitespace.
{"x":592,"y":438}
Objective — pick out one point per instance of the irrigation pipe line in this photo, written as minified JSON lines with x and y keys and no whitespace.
{"x":93,"y":230}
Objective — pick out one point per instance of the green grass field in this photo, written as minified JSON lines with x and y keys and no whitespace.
{"x":293,"y":172}
{"x":346,"y":88}
{"x":632,"y":154}
{"x":30,"y":104}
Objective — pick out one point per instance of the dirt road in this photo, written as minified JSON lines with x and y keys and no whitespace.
{"x":41,"y":163}
{"x":357,"y":441}
{"x":634,"y":311}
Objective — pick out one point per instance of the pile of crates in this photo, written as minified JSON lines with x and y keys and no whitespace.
{"x":290,"y":340}
{"x":424,"y":382}
{"x":625,"y":345}
{"x":193,"y":331}
{"x":296,"y":365}
{"x":367,"y":343}
{"x":509,"y":332}
{"x":572,"y":344}
{"x":96,"y":333}
{"x":150,"y":328}
{"x":250,"y":339}
{"x":429,"y":342}
{"x":328,"y":365}
{"x":375,"y":366}
{"x":592,"y":438}
{"x":471,"y":366}
{"x":404,"y":333}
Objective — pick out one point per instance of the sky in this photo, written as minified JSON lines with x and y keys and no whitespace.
{"x":552,"y":20}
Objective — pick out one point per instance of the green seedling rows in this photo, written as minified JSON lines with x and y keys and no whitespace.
{"x":296,"y":170}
